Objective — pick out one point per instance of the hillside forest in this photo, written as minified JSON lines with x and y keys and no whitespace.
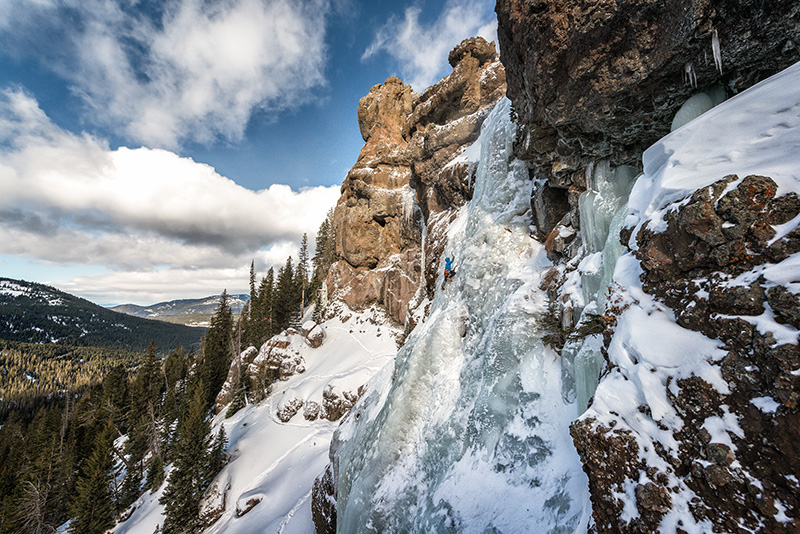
{"x":85,"y":431}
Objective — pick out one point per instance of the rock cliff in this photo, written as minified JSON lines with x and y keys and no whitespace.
{"x":404,"y":173}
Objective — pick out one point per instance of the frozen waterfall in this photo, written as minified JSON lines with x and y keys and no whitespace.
{"x":468,"y":432}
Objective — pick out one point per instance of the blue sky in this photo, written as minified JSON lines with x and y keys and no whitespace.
{"x":150,"y":149}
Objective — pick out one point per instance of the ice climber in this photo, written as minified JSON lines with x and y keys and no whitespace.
{"x":448,"y":270}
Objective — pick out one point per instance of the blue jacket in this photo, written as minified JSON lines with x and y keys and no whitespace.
{"x":448,"y":263}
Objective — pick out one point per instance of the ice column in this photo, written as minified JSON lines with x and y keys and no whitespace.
{"x":602,"y":209}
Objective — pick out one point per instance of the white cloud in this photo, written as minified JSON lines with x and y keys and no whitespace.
{"x":145,"y":287}
{"x":69,"y":198}
{"x":197,"y":71}
{"x":421,"y":48}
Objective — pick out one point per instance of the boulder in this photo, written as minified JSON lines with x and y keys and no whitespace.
{"x":314,"y":335}
{"x":289,"y":410}
{"x":336,"y":406}
{"x":212,"y":505}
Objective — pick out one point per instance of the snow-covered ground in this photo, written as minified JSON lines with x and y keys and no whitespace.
{"x":275,"y":463}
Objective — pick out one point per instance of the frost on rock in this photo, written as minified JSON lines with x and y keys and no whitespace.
{"x":472,"y":407}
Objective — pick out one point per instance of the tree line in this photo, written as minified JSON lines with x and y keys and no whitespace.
{"x":279,"y":300}
{"x":32,"y":375}
{"x":90,"y":455}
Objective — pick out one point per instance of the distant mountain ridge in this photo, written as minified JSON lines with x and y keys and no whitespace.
{"x":183,"y":311}
{"x":36,"y":313}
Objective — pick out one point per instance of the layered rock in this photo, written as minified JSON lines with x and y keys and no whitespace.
{"x":405,"y":173}
{"x":597,"y":82}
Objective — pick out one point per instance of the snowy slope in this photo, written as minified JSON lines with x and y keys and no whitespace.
{"x":468,"y":432}
{"x":275,"y":463}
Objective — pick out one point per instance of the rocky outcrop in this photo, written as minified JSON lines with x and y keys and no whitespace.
{"x":375,"y":219}
{"x":277,"y":359}
{"x":593,"y":84}
{"x":705,"y":264}
{"x":592,"y":80}
{"x":226,"y":393}
{"x":323,"y":503}
{"x":314,"y":334}
{"x":446,"y":118}
{"x":406,"y":171}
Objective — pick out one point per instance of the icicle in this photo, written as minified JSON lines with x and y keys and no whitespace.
{"x":409,"y":204}
{"x":689,"y":76}
{"x":715,"y":49}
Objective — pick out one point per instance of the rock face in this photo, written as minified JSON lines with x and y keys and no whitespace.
{"x":721,"y":232}
{"x":402,"y":174}
{"x":593,"y":80}
{"x":601,"y":81}
{"x":447,"y":117}
{"x":323,"y":503}
{"x":375,"y":220}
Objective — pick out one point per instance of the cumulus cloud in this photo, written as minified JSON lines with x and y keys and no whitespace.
{"x":69,"y":198}
{"x":193,"y":70}
{"x":421,"y":48}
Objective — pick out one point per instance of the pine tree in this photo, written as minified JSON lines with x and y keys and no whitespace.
{"x":217,"y":457}
{"x":248,"y":316}
{"x":189,"y":479}
{"x":93,"y":507}
{"x":155,"y":473}
{"x":284,"y":299}
{"x":266,"y":309}
{"x":302,"y":273}
{"x":217,"y":350}
{"x":330,"y":256}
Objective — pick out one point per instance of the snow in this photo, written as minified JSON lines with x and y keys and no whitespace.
{"x":12,"y":289}
{"x":148,"y":514}
{"x":9,"y":288}
{"x":277,"y":462}
{"x":754,"y":132}
{"x":766,"y":404}
{"x":472,"y":407}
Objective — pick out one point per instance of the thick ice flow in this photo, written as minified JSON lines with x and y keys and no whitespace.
{"x":603,"y":208}
{"x":469,"y":432}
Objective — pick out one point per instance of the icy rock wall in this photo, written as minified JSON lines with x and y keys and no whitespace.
{"x":473,"y":405}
